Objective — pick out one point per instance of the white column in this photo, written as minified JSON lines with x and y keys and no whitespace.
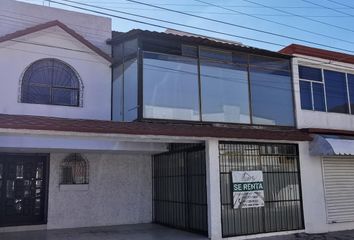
{"x":213,"y":189}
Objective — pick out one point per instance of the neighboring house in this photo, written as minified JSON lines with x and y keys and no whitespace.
{"x":324,"y":87}
{"x":192,"y":132}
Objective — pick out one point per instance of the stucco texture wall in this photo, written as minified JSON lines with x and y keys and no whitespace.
{"x":94,"y":72}
{"x":119,"y":192}
{"x":317,"y":119}
{"x":313,"y":194}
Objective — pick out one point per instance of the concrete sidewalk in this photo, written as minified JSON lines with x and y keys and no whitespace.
{"x":123,"y":232}
{"x":344,"y":235}
{"x":148,"y":232}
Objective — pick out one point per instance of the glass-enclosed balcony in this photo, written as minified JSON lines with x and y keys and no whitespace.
{"x":168,"y":77}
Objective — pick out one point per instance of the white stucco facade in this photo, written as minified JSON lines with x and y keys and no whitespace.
{"x":93,"y":70}
{"x":17,"y":54}
{"x":312,"y":174}
{"x":119,"y":192}
{"x":317,"y":119}
{"x":15,"y":16}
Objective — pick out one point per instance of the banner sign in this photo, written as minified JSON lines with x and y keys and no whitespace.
{"x":248,"y":189}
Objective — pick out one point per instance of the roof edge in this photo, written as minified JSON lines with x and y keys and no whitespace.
{"x":57,"y":23}
{"x":318,"y":53}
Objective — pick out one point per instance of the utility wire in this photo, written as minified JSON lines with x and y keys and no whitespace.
{"x":161,"y":20}
{"x":236,"y":25}
{"x":164,"y":27}
{"x":341,"y":4}
{"x":300,"y":16}
{"x":282,"y":24}
{"x":329,"y":8}
{"x":199,"y":5}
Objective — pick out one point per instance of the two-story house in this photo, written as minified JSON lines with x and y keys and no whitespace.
{"x":188,"y":131}
{"x":324,"y":96}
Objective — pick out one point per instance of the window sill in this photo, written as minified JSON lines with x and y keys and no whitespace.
{"x":73,"y":187}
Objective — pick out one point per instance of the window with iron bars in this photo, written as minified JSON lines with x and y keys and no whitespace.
{"x":74,"y":170}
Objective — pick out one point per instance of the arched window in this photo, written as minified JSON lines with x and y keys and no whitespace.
{"x":50,"y":81}
{"x":74,"y":170}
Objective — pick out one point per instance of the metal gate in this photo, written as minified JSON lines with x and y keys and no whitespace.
{"x":338,"y":179}
{"x":179,"y":188}
{"x":282,"y":210}
{"x":23,"y":189}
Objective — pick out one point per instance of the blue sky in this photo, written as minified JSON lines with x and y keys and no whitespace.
{"x":338,"y":13}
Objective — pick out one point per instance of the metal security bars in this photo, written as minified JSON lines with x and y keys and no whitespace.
{"x":179,"y":188}
{"x":74,"y":170}
{"x":282,"y":210}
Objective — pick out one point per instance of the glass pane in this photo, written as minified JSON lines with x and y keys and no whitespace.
{"x":118,"y":52}
{"x":38,"y":192}
{"x":39,"y":171}
{"x":225,"y":93}
{"x":36,"y":94}
{"x":310,"y":73}
{"x":130,"y":47}
{"x":63,"y":96}
{"x":130,"y":90}
{"x":189,"y":51}
{"x":305,"y":95}
{"x":336,"y":92}
{"x":267,"y":109}
{"x":38,"y":183}
{"x":117,"y":101}
{"x":239,"y":58}
{"x":318,"y":97}
{"x":270,"y":62}
{"x":170,"y":87}
{"x":62,"y":77}
{"x":351,"y":91}
{"x":19,"y":171}
{"x":18,"y":206}
{"x":209,"y":53}
{"x":10,"y":189}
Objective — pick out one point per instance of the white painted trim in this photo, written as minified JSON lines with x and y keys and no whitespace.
{"x":23,"y":228}
{"x":73,"y":187}
{"x":139,"y":138}
{"x":213,"y":189}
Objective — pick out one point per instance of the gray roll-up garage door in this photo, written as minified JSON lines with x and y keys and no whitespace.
{"x":338,"y":174}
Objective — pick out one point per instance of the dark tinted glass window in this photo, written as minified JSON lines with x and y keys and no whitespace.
{"x":269,"y":62}
{"x":318,"y":97}
{"x":50,"y":81}
{"x":189,"y":51}
{"x":272,"y":97}
{"x":209,"y":53}
{"x":310,"y":73}
{"x":117,"y":95}
{"x":305,"y":95}
{"x":351,"y":91}
{"x":336,"y":92}
{"x":240,"y":58}
{"x":130,"y":90}
{"x":61,"y":96}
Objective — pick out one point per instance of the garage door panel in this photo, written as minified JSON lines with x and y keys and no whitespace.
{"x":338,"y":177}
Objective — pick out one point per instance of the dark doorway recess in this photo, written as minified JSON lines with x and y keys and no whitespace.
{"x":23,"y":189}
{"x":179,"y":188}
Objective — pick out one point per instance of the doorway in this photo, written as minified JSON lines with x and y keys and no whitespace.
{"x":179,"y":188}
{"x":23,"y":189}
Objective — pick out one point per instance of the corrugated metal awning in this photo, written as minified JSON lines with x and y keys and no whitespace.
{"x":331,"y":146}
